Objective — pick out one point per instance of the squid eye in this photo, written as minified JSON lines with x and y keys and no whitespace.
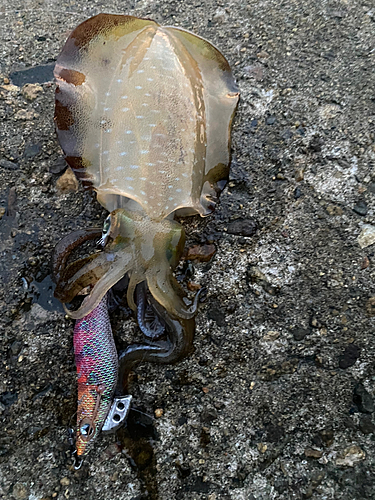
{"x":107,"y":225}
{"x":175,"y":246}
{"x":105,"y":232}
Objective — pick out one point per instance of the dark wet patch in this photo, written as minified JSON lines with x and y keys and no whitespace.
{"x":366,"y":425}
{"x":198,"y":485}
{"x":275,"y":433}
{"x":217,"y":315}
{"x":8,"y":398}
{"x":59,"y":166}
{"x":208,"y":415}
{"x":42,"y":293}
{"x":243,"y":227}
{"x":300,"y":333}
{"x":349,"y":356}
{"x":9,"y":165}
{"x":363,"y":399}
{"x":137,"y":439}
{"x":31,"y":150}
{"x":35,"y":74}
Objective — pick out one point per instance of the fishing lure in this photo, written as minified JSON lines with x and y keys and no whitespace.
{"x":143,"y":114}
{"x":97,"y":369}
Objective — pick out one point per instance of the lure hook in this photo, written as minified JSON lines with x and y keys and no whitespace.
{"x":77,"y":461}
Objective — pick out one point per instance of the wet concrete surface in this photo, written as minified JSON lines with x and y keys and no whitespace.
{"x":276,"y":402}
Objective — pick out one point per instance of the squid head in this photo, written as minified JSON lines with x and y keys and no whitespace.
{"x":136,"y":245}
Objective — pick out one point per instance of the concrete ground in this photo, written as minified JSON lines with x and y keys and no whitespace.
{"x":277,"y":400}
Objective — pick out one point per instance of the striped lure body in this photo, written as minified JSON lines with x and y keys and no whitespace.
{"x":97,"y":370}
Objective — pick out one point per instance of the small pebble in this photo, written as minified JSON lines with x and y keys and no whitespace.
{"x":360,"y":208}
{"x":271,"y":336}
{"x":32,"y":150}
{"x":67,"y":182}
{"x":262,"y":447}
{"x":193,"y":287}
{"x":312,"y":453}
{"x":316,"y":144}
{"x":20,"y":491}
{"x":367,"y":236}
{"x":16,"y":347}
{"x":65,"y":481}
{"x":8,"y":165}
{"x":270,"y":120}
{"x":370,"y":306}
{"x":159,"y":412}
{"x":299,"y":174}
{"x":366,"y":426}
{"x":22,"y":114}
{"x":334,"y":210}
{"x":365,"y":263}
{"x":255,"y":71}
{"x":31,"y":91}
{"x":300,"y":333}
{"x":58,"y":167}
{"x":220,"y":16}
{"x":14,"y":89}
{"x":201,"y":253}
{"x":351,"y":456}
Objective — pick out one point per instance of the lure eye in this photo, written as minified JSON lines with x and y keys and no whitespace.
{"x":106,"y":231}
{"x":86,"y":429}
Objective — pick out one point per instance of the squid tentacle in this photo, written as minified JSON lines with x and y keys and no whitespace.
{"x":133,"y":282}
{"x":90,"y":271}
{"x":120,"y":265}
{"x":66,"y":245}
{"x":179,"y":343}
{"x":148,"y":320}
{"x":166,"y":290}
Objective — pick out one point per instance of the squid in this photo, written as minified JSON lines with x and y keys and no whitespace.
{"x":143,"y":114}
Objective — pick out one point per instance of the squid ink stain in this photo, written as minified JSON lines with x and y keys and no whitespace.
{"x":138,"y":438}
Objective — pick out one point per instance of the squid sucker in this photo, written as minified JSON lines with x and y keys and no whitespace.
{"x":143,"y":114}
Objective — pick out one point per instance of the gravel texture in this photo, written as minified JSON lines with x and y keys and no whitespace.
{"x":277,"y":400}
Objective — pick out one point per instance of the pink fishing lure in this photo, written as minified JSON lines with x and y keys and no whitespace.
{"x":97,"y":369}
